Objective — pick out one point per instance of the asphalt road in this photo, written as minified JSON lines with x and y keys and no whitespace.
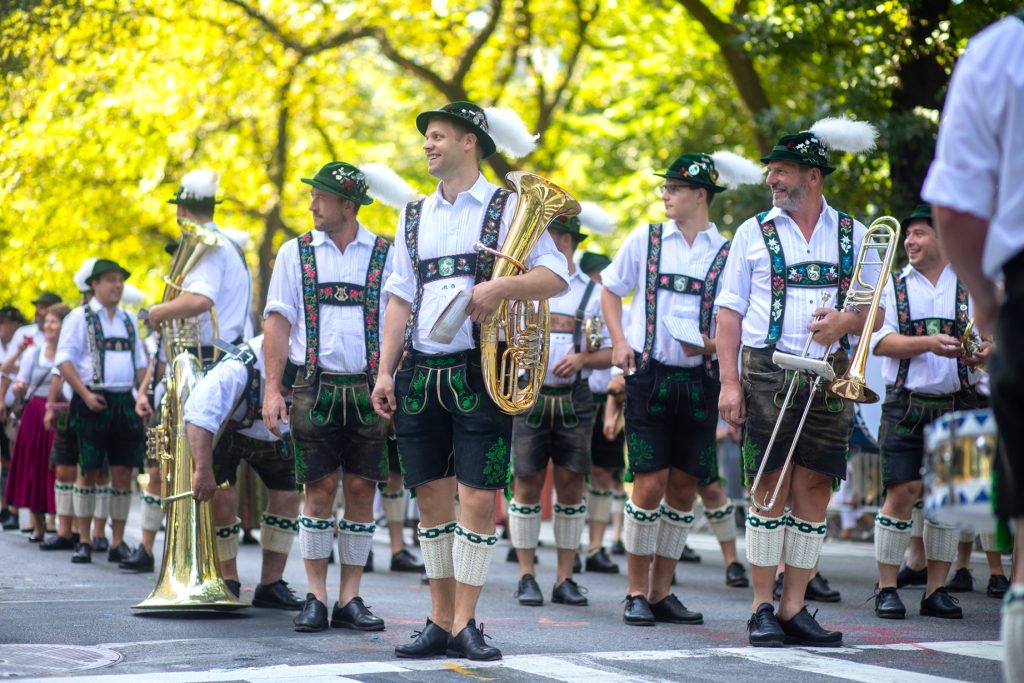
{"x":62,"y":619}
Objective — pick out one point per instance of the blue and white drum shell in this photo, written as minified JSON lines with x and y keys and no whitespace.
{"x":959,"y":458}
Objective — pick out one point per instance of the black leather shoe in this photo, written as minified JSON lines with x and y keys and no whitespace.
{"x":404,"y":561}
{"x":819,"y":590}
{"x":942,"y":605}
{"x":736,"y":576}
{"x":140,"y":561}
{"x":313,"y":616}
{"x":120,"y":553}
{"x":763,"y":629}
{"x":528,"y":593}
{"x":36,"y":538}
{"x":470,"y":644}
{"x":368,"y":567}
{"x":689,"y":555}
{"x":100,"y":544}
{"x":276,"y":595}
{"x":432,"y":641}
{"x":11,"y":523}
{"x":888,"y":604}
{"x":248,"y":538}
{"x":911,"y":577}
{"x":671,"y":611}
{"x":638,"y":611}
{"x":424,"y":579}
{"x":962,"y":581}
{"x":777,"y":590}
{"x":569,"y":593}
{"x":618,"y":548}
{"x":355,"y":615}
{"x":997,"y":586}
{"x":803,"y":629}
{"x":83,"y":554}
{"x":600,"y":563}
{"x":57,"y":543}
{"x":234,"y":586}
{"x":577,"y":566}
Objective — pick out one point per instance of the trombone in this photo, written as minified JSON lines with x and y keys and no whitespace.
{"x":882,"y":237}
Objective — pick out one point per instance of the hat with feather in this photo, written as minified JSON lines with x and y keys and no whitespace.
{"x":494,"y":127}
{"x":707,"y":170}
{"x":198,"y":189}
{"x":358,"y":184}
{"x":812,"y":147}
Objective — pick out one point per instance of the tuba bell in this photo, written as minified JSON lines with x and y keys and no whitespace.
{"x":514,"y":378}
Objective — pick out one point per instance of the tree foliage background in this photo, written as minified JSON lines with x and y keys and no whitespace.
{"x":108,"y":102}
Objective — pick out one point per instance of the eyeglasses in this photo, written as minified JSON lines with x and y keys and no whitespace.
{"x":672,"y":189}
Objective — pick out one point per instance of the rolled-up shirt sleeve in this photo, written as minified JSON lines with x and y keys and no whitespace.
{"x":141,"y":359}
{"x":890,"y":324}
{"x":620,"y":277}
{"x":204,"y":278}
{"x":401,"y":282}
{"x":214,"y":397}
{"x":72,"y":336}
{"x":547,"y":255}
{"x":282,"y":295}
{"x":734,"y":290}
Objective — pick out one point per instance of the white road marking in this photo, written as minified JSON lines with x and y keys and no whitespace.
{"x":982,"y":649}
{"x":830,"y":666}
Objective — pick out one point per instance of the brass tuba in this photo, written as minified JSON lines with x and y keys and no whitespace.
{"x":526,"y":324}
{"x":196,"y":239}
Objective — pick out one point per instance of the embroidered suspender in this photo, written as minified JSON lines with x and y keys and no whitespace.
{"x":99,"y":345}
{"x":651,"y":292}
{"x":316,"y":294}
{"x":707,"y":303}
{"x":928,"y":326}
{"x":577,"y":328}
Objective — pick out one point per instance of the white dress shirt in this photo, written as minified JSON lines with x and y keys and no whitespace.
{"x":746,"y":280}
{"x":216,"y":397}
{"x":342,"y":336}
{"x":222,"y":277}
{"x":119,"y":372}
{"x":928,"y":373}
{"x":449,"y":229}
{"x":30,"y":330}
{"x":979,"y":155}
{"x":561,"y":343}
{"x":628,"y":273}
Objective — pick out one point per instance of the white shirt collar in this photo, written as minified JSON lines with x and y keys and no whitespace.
{"x":363,"y":236}
{"x":672,"y":227}
{"x":828,"y":215}
{"x":479,"y":191}
{"x":947,"y":271}
{"x":97,"y":307}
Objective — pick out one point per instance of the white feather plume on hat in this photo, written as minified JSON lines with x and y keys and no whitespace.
{"x":199,"y":184}
{"x":509,"y":133}
{"x":844,"y":134}
{"x":735,"y":170}
{"x":239,"y":237}
{"x":83,"y":272}
{"x":132,"y":295}
{"x":384,"y":184}
{"x":595,"y":219}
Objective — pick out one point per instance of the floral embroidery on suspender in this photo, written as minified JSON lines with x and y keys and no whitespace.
{"x":928,"y":326}
{"x":778,"y":279}
{"x":99,"y":344}
{"x":845,"y":266}
{"x":707,"y":303}
{"x":310,"y":303}
{"x":413,"y":211}
{"x":489,"y":232}
{"x":651,"y":292}
{"x":371,"y":309}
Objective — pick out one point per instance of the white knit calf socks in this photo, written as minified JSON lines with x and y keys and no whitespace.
{"x":316,"y":537}
{"x":120,"y":504}
{"x":152,"y":513}
{"x":227,"y":540}
{"x":523,"y":524}
{"x":599,"y":505}
{"x":394,"y":506}
{"x":354,"y":541}
{"x":102,"y":509}
{"x":673,"y":529}
{"x":640,"y":529}
{"x":988,"y":542}
{"x":471,"y":555}
{"x":436,"y":549}
{"x":918,"y":518}
{"x":84,"y":501}
{"x":892,"y":536}
{"x":569,"y":523}
{"x":967,"y":536}
{"x":803,"y":542}
{"x":1013,"y":633}
{"x":64,"y":498}
{"x":940,"y":542}
{"x":765,"y":539}
{"x":277,"y":533}
{"x":723,"y":522}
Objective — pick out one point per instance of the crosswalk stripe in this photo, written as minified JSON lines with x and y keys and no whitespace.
{"x":831,"y":666}
{"x":567,"y":671}
{"x":982,"y":649}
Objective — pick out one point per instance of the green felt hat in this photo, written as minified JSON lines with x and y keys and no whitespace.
{"x":921,"y":212}
{"x":344,"y":180}
{"x":694,"y":169}
{"x":470,"y":115}
{"x":591,"y":261}
{"x":198,"y":189}
{"x":105,"y":265}
{"x":47,"y":299}
{"x":569,"y":224}
{"x":804,"y":148}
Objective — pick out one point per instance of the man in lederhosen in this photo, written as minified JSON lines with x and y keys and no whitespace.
{"x":100,"y":356}
{"x":558,"y":429}
{"x":926,"y":376}
{"x":226,"y":406}
{"x":780,"y":264}
{"x":451,"y":435}
{"x":322,"y":340}
{"x":671,"y":387}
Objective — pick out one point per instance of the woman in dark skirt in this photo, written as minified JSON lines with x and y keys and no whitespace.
{"x":30,"y":484}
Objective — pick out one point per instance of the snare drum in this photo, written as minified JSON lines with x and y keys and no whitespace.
{"x":960,"y":452}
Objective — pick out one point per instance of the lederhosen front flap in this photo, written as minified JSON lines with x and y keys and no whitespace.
{"x":99,"y":345}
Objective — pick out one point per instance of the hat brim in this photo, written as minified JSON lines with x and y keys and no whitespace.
{"x":911,"y":218}
{"x":796,"y":159}
{"x":487,"y":144}
{"x":559,"y":228}
{"x":691,"y":181}
{"x":193,"y":202}
{"x":364,"y":201}
{"x":89,"y":280}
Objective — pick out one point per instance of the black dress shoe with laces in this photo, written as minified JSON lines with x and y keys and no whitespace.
{"x":888,"y":604}
{"x":432,"y":641}
{"x":618,"y":548}
{"x":942,"y":605}
{"x":11,"y":523}
{"x":669,"y":610}
{"x":962,"y":581}
{"x":57,"y":543}
{"x":819,"y":590}
{"x":140,"y":560}
{"x":600,"y":563}
{"x":997,"y":586}
{"x":355,"y":615}
{"x":528,"y":593}
{"x":638,"y":611}
{"x":803,"y":629}
{"x":120,"y":553}
{"x":569,"y":593}
{"x":689,"y":555}
{"x":313,"y":616}
{"x":763,"y":629}
{"x":777,"y":590}
{"x":404,"y":561}
{"x":276,"y":595}
{"x":469,"y":643}
{"x":83,"y":554}
{"x":234,"y":586}
{"x":100,"y":544}
{"x":736,"y":576}
{"x":911,"y":577}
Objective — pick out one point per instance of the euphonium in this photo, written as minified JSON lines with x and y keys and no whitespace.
{"x":183,"y":335}
{"x":514,"y":379}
